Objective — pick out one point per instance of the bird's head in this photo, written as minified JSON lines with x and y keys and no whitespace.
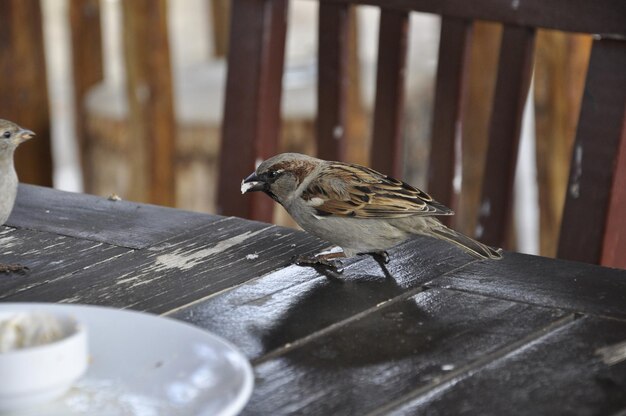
{"x":280,"y":176}
{"x":12,"y":135}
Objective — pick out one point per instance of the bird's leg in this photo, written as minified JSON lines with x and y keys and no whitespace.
{"x":13,"y":268}
{"x":381,"y":257}
{"x":321,"y":260}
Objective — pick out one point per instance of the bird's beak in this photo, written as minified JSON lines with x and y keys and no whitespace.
{"x":252,"y":184}
{"x":24,"y":135}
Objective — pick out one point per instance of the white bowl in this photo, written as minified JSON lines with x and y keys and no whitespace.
{"x":36,"y":374}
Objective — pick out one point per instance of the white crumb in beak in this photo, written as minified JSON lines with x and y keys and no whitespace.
{"x":315,"y":202}
{"x":245,"y":186}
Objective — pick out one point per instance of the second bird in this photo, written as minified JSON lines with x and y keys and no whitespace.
{"x":354,"y":207}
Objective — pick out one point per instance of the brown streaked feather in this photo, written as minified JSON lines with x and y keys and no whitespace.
{"x":360,"y":192}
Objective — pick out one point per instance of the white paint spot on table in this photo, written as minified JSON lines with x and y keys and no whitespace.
{"x":185,"y":260}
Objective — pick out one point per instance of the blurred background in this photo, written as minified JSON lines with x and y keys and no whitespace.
{"x":70,"y":73}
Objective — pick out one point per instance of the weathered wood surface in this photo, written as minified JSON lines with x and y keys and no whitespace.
{"x":367,"y":361}
{"x":567,"y":358}
{"x":50,"y":257}
{"x":292,"y":295}
{"x":122,"y":223}
{"x":579,"y":287}
{"x":435,"y":332}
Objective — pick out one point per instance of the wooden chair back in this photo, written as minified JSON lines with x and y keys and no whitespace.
{"x":593,"y":226}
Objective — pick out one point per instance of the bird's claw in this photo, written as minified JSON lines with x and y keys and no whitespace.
{"x":13,"y":268}
{"x":381,"y":256}
{"x":317,"y":262}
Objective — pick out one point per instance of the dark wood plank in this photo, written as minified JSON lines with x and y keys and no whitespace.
{"x":445,"y":165}
{"x":561,"y":284}
{"x":614,"y":245}
{"x":366,"y":361}
{"x":149,"y":89}
{"x":387,"y":143}
{"x":332,"y":80}
{"x":87,"y":69}
{"x":24,"y":87}
{"x":295,"y":302}
{"x":561,"y":373}
{"x":251,"y":126}
{"x":120,"y":223}
{"x":607,"y":17}
{"x":514,"y":73}
{"x":180,"y":270}
{"x":50,"y":258}
{"x":594,"y":155}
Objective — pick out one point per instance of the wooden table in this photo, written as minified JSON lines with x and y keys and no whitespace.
{"x":441,"y":333}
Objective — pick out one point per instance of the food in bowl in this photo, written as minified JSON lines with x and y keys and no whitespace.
{"x":24,"y":330}
{"x":41,"y":355}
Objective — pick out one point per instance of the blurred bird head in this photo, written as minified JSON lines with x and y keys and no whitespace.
{"x":12,"y":135}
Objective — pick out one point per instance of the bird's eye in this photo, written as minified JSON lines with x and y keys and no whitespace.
{"x":6,"y":134}
{"x":272,"y":174}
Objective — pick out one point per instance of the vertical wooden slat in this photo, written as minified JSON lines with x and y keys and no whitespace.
{"x":24,"y":89}
{"x":150,"y":98}
{"x":357,"y":116}
{"x":595,"y":153}
{"x":332,"y":80}
{"x":220,"y":11}
{"x":87,"y":69}
{"x":444,"y":173}
{"x":387,"y":143}
{"x":251,"y":124}
{"x":514,"y":73}
{"x":614,"y":244}
{"x":481,"y":84}
{"x":561,"y":61}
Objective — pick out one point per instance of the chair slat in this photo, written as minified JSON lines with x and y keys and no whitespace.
{"x":387,"y":143}
{"x":252,"y":108}
{"x":149,"y":88}
{"x":592,"y":16}
{"x":597,"y":145}
{"x":87,"y":68}
{"x":24,"y":89}
{"x":614,"y":245}
{"x":514,"y":73}
{"x":444,"y":172}
{"x":332,"y":83}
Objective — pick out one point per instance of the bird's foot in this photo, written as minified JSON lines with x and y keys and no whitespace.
{"x":325,"y":260}
{"x":13,"y":268}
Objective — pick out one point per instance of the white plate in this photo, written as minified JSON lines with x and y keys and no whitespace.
{"x":146,"y":365}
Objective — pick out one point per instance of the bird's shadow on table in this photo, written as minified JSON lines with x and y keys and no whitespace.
{"x":346,"y":325}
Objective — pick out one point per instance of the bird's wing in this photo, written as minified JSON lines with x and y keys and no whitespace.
{"x":356,"y":191}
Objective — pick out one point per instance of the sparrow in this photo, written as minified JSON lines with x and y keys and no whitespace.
{"x":11,"y":136}
{"x":354,"y":207}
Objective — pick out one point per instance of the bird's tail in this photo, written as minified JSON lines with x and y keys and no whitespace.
{"x":468,"y":244}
